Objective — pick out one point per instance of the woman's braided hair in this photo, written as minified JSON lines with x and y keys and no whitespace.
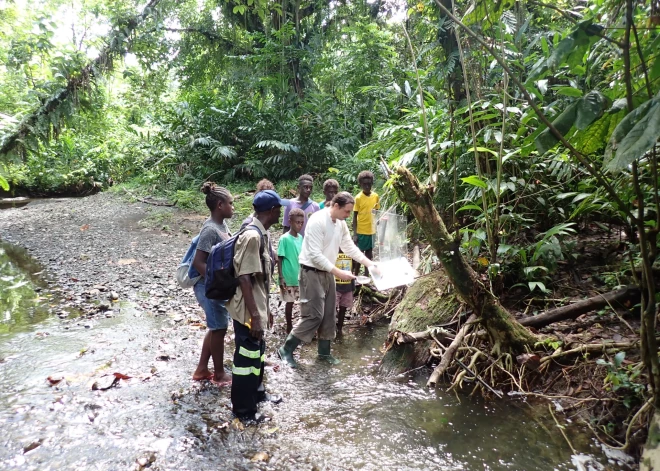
{"x":215,"y":194}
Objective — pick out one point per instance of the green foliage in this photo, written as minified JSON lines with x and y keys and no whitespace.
{"x":637,"y":133}
{"x":570,"y":51}
{"x":622,"y":378}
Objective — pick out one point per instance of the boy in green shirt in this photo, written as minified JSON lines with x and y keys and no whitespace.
{"x":288,"y":266}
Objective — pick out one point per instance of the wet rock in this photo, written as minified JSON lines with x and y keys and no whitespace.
{"x":94,"y":292}
{"x":260,"y":456}
{"x":114,"y":296}
{"x":104,"y":306}
{"x":145,"y":461}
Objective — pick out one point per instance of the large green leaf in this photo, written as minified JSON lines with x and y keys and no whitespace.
{"x":596,"y":135}
{"x":475,"y":181}
{"x":4,"y":184}
{"x":590,"y":108}
{"x":622,"y":130}
{"x":640,"y":139}
{"x":570,"y":50}
{"x":486,"y":12}
{"x":564,"y":122}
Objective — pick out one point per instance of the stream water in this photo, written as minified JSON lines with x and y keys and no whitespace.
{"x":334,"y":418}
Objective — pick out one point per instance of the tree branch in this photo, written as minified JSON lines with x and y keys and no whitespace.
{"x":75,"y":82}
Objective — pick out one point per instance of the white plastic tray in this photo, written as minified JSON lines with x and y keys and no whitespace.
{"x":396,"y":272}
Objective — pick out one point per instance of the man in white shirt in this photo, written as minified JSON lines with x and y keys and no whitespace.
{"x":325,"y":233}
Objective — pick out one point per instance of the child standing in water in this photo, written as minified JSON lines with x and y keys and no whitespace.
{"x":363,"y":221}
{"x":344,"y":289}
{"x":221,"y":203}
{"x":288,"y":266}
{"x":303,"y":201}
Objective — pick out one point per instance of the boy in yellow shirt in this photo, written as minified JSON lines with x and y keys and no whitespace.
{"x":363,"y":221}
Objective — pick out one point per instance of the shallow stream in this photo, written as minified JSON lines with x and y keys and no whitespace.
{"x":334,"y":418}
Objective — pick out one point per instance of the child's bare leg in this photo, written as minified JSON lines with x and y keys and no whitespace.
{"x":340,"y":319}
{"x":356,"y":268}
{"x":288,"y":315}
{"x":369,"y":254}
{"x":202,"y":371}
{"x":217,"y":345}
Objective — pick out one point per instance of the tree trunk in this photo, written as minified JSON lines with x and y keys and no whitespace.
{"x":505,"y":333}
{"x":651,"y":457}
{"x":428,"y":302}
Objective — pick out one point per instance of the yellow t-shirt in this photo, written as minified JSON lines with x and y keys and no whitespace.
{"x":363,"y":206}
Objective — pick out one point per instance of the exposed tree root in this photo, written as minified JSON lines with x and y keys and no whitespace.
{"x":448,"y":355}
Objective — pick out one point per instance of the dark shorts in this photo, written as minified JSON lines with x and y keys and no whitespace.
{"x":217,"y":317}
{"x":365,"y":242}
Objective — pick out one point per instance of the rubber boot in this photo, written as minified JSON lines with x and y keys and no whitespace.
{"x":286,"y":350}
{"x":324,"y":352}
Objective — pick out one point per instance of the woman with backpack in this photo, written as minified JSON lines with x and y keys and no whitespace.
{"x":221,"y":203}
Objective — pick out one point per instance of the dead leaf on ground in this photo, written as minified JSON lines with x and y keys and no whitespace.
{"x":237,"y":424}
{"x":126,"y":261}
{"x":121,"y":376}
{"x":32,"y":446}
{"x":84,"y":227}
{"x":98,"y":387}
{"x":54,"y":380}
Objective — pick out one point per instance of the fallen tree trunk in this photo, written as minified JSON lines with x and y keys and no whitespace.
{"x":620,"y":296}
{"x":505,"y":333}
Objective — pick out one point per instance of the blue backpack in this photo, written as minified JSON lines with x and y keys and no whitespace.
{"x":220,"y":280}
{"x":186,"y":275}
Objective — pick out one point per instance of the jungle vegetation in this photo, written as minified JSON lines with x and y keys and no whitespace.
{"x":507,"y":128}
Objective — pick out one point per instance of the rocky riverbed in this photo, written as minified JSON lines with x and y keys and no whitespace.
{"x":104,"y":381}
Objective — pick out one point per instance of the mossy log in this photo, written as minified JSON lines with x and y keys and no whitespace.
{"x":505,"y":333}
{"x":430,"y":301}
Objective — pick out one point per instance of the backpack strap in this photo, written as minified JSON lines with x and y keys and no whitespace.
{"x":306,"y":205}
{"x":261,"y":257}
{"x":261,"y":240}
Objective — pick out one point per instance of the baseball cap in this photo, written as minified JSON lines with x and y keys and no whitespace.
{"x":268,"y":199}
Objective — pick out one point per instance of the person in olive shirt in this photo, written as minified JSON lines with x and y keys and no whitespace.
{"x":249,"y":307}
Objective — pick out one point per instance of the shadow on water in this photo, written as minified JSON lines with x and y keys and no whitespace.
{"x":333,"y":418}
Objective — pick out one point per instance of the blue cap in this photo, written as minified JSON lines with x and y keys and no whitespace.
{"x":268,"y":199}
